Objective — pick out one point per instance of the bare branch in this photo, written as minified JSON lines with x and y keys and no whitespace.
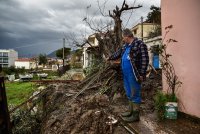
{"x":102,"y":12}
{"x":129,"y":8}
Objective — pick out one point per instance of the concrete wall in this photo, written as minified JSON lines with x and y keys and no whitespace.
{"x":184,"y":15}
{"x":85,"y":57}
{"x":19,"y":64}
{"x":25,"y":64}
{"x":12,"y":55}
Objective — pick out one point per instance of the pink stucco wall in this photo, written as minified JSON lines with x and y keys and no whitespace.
{"x":184,"y":15}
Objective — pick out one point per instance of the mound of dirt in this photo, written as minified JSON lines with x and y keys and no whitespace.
{"x":87,"y":114}
{"x":90,"y":112}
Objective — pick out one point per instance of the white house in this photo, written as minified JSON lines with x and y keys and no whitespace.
{"x":8,"y":57}
{"x":25,"y":63}
{"x":88,"y":56}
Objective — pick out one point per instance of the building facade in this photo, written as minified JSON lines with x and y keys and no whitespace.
{"x":88,"y":55}
{"x":147,"y":28}
{"x":8,"y":57}
{"x":25,"y":63}
{"x":184,"y":16}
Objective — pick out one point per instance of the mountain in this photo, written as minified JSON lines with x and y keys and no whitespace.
{"x":52,"y":54}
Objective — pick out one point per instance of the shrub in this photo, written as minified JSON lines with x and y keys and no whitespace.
{"x":160,"y":100}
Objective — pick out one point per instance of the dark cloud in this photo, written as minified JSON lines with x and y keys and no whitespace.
{"x":38,"y":26}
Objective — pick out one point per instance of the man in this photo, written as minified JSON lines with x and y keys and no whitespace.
{"x":134,"y":63}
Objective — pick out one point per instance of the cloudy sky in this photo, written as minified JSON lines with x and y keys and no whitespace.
{"x":38,"y":26}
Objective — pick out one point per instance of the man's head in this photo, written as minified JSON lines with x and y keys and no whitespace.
{"x":127,"y":35}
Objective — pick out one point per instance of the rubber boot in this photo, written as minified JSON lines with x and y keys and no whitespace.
{"x":135,"y":116}
{"x":129,"y":112}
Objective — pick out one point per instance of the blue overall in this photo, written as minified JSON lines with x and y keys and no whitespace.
{"x":132,"y":87}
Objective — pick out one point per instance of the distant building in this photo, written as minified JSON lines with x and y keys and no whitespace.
{"x":8,"y":57}
{"x":88,"y":55}
{"x":147,"y":29}
{"x":149,"y":41}
{"x":25,"y":63}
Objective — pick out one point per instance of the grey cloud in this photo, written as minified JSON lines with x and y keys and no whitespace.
{"x":38,"y":26}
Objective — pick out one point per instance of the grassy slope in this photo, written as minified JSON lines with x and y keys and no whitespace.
{"x":18,"y":92}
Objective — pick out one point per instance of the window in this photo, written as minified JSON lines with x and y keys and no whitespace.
{"x":5,"y":54}
{"x":5,"y":60}
{"x":135,"y":31}
{"x":1,"y":54}
{"x":5,"y":65}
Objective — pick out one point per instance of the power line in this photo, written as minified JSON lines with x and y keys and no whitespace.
{"x":137,"y":21}
{"x":130,"y":14}
{"x":32,"y":45}
{"x":98,"y":9}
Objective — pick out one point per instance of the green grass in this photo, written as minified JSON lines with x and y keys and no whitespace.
{"x":18,"y":92}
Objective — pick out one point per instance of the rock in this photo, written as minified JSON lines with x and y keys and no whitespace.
{"x":102,"y":100}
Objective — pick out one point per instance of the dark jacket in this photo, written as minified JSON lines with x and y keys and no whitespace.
{"x":138,"y":55}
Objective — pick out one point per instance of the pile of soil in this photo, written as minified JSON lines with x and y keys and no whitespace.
{"x":90,"y":112}
{"x":87,"y":114}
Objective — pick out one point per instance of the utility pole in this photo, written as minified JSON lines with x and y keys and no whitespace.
{"x":142,"y":28}
{"x":63,"y":52}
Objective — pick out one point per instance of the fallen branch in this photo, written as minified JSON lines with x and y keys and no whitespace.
{"x":96,"y":76}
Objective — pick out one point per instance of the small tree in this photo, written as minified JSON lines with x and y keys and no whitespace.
{"x":59,"y":52}
{"x":42,"y":59}
{"x":168,"y":68}
{"x":170,"y":75}
{"x":154,"y":16}
{"x":76,"y":58}
{"x":35,"y":59}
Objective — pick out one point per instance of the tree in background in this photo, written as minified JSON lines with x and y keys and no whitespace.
{"x":36,"y":60}
{"x":78,"y":54}
{"x":59,"y":52}
{"x":12,"y":70}
{"x":76,"y":58}
{"x":154,"y":16}
{"x":42,"y":59}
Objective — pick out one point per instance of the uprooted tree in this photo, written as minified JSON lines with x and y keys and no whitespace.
{"x":105,"y":75}
{"x":110,"y":38}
